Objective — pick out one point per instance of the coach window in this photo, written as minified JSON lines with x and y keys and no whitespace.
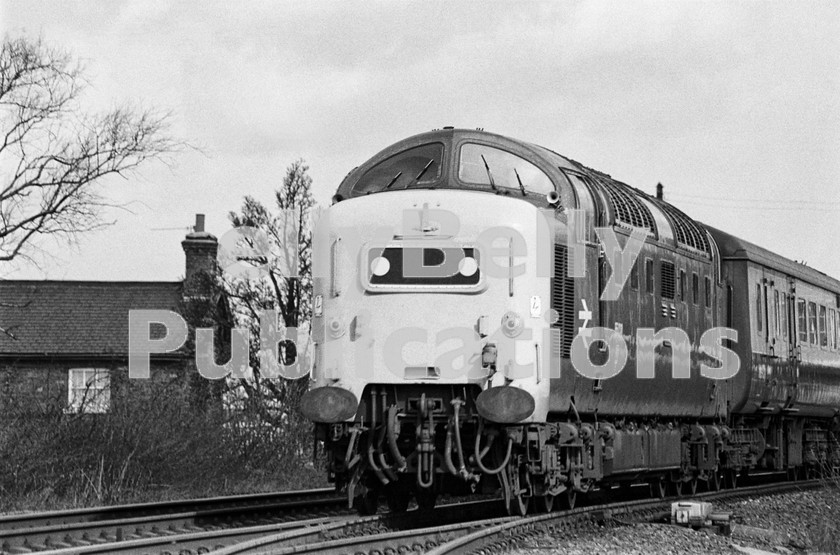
{"x":634,"y":276}
{"x":708,"y":292}
{"x":837,"y":329}
{"x":802,"y":322}
{"x":784,"y":313}
{"x":776,"y":319}
{"x":832,"y":337}
{"x":758,"y":303}
{"x":421,"y":164}
{"x":812,"y":323}
{"x":823,"y":328}
{"x":649,"y":275}
{"x":483,"y":165}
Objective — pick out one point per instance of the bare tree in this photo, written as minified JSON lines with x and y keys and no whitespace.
{"x":53,"y":154}
{"x":289,"y":296}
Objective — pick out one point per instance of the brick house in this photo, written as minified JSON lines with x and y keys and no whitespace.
{"x":64,"y":344}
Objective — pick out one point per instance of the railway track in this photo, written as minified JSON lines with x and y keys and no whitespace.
{"x":469,"y":534}
{"x":92,"y":530}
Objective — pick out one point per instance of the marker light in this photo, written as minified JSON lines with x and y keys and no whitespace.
{"x":379,"y":266}
{"x":336,"y":327}
{"x":467,"y":266}
{"x":512,"y":324}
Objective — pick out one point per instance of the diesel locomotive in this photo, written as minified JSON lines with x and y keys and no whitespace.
{"x":451,"y":286}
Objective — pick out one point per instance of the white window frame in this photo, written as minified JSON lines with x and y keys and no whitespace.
{"x":88,"y":390}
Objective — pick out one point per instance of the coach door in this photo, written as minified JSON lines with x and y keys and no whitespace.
{"x":788,"y":285}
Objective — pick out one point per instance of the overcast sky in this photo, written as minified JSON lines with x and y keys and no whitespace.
{"x":734,"y":107}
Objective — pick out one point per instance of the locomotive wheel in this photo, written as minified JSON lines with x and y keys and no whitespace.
{"x":713,"y":483}
{"x":568,"y":499}
{"x":745,"y":477}
{"x":426,"y":499}
{"x":546,"y":503}
{"x":397,"y":498}
{"x":677,"y":488}
{"x":518,"y":479}
{"x":692,"y":486}
{"x":730,"y":478}
{"x":368,"y":503}
{"x":518,"y":505}
{"x":658,"y":488}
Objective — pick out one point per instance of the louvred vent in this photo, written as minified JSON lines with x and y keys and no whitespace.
{"x":563,"y":301}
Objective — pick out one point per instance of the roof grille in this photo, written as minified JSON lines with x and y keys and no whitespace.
{"x":688,"y":233}
{"x":626,"y":205}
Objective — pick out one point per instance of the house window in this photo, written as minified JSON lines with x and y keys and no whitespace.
{"x":682,"y":285}
{"x":634,"y":276}
{"x":89,"y":390}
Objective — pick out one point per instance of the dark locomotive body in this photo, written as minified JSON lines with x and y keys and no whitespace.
{"x":779,"y":411}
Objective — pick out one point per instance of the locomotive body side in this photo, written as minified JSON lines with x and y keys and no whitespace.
{"x":425,"y":384}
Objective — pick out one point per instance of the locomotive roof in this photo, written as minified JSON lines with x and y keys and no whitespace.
{"x":631,"y":206}
{"x":734,"y":248}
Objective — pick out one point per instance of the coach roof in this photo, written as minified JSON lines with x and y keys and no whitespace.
{"x":734,"y":248}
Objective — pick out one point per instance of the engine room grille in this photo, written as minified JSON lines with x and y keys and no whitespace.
{"x":563,"y":301}
{"x":627,"y":207}
{"x":666,"y":281}
{"x":688,"y":233}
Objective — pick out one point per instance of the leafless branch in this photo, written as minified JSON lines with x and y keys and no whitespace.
{"x":53,"y":155}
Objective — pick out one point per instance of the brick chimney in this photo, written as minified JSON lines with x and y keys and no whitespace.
{"x":200,"y":249}
{"x":659,"y":191}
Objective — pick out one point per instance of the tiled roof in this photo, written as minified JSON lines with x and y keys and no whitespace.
{"x":76,"y":317}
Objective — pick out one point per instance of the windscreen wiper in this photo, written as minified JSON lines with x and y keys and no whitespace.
{"x":388,"y":186}
{"x":489,"y":174}
{"x":521,"y":186}
{"x":419,"y":175}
